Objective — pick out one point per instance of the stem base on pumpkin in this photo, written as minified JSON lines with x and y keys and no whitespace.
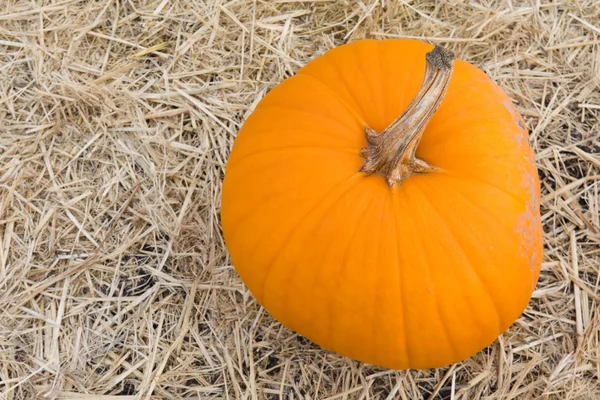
{"x":392,"y":153}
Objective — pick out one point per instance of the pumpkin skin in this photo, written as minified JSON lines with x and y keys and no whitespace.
{"x":420,"y":274}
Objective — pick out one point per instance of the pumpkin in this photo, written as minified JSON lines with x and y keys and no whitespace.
{"x":383,"y":202}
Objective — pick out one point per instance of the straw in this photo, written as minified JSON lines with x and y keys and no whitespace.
{"x":116,"y":121}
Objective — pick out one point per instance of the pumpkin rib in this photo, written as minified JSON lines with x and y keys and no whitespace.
{"x":307,"y":218}
{"x":330,"y":132}
{"x":338,"y":132}
{"x":379,"y":85}
{"x":497,"y":221}
{"x":337,"y":150}
{"x":329,"y":64}
{"x":398,"y":73}
{"x":401,"y":279}
{"x":332,"y":61}
{"x":345,"y":262}
{"x":258,"y":246}
{"x":429,"y":273}
{"x":472,"y":178}
{"x":451,"y":233}
{"x":312,"y":112}
{"x":328,"y":305}
{"x":470,"y":116}
{"x":317,"y":225}
{"x":467,"y":259}
{"x":272,"y":197}
{"x":337,"y":343}
{"x":318,"y":275}
{"x":482,"y":212}
{"x":368,"y":78}
{"x":313,"y":225}
{"x":357,"y":115}
{"x":377,"y":290}
{"x":466,"y":116}
{"x":457,"y":136}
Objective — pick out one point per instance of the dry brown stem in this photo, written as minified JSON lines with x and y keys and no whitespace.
{"x":391,"y":153}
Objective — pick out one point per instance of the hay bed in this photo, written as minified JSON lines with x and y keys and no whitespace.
{"x":116,"y":119}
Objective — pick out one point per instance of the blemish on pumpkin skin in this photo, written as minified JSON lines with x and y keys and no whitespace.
{"x":530,"y":219}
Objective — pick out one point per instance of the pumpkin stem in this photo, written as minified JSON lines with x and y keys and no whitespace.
{"x":392,"y":153}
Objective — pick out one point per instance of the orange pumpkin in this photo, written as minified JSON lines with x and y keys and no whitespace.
{"x":384,"y":203}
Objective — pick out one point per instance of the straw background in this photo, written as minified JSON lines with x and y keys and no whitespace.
{"x":116,"y":120}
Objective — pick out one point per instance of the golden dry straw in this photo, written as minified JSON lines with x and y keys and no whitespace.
{"x":116,"y":120}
